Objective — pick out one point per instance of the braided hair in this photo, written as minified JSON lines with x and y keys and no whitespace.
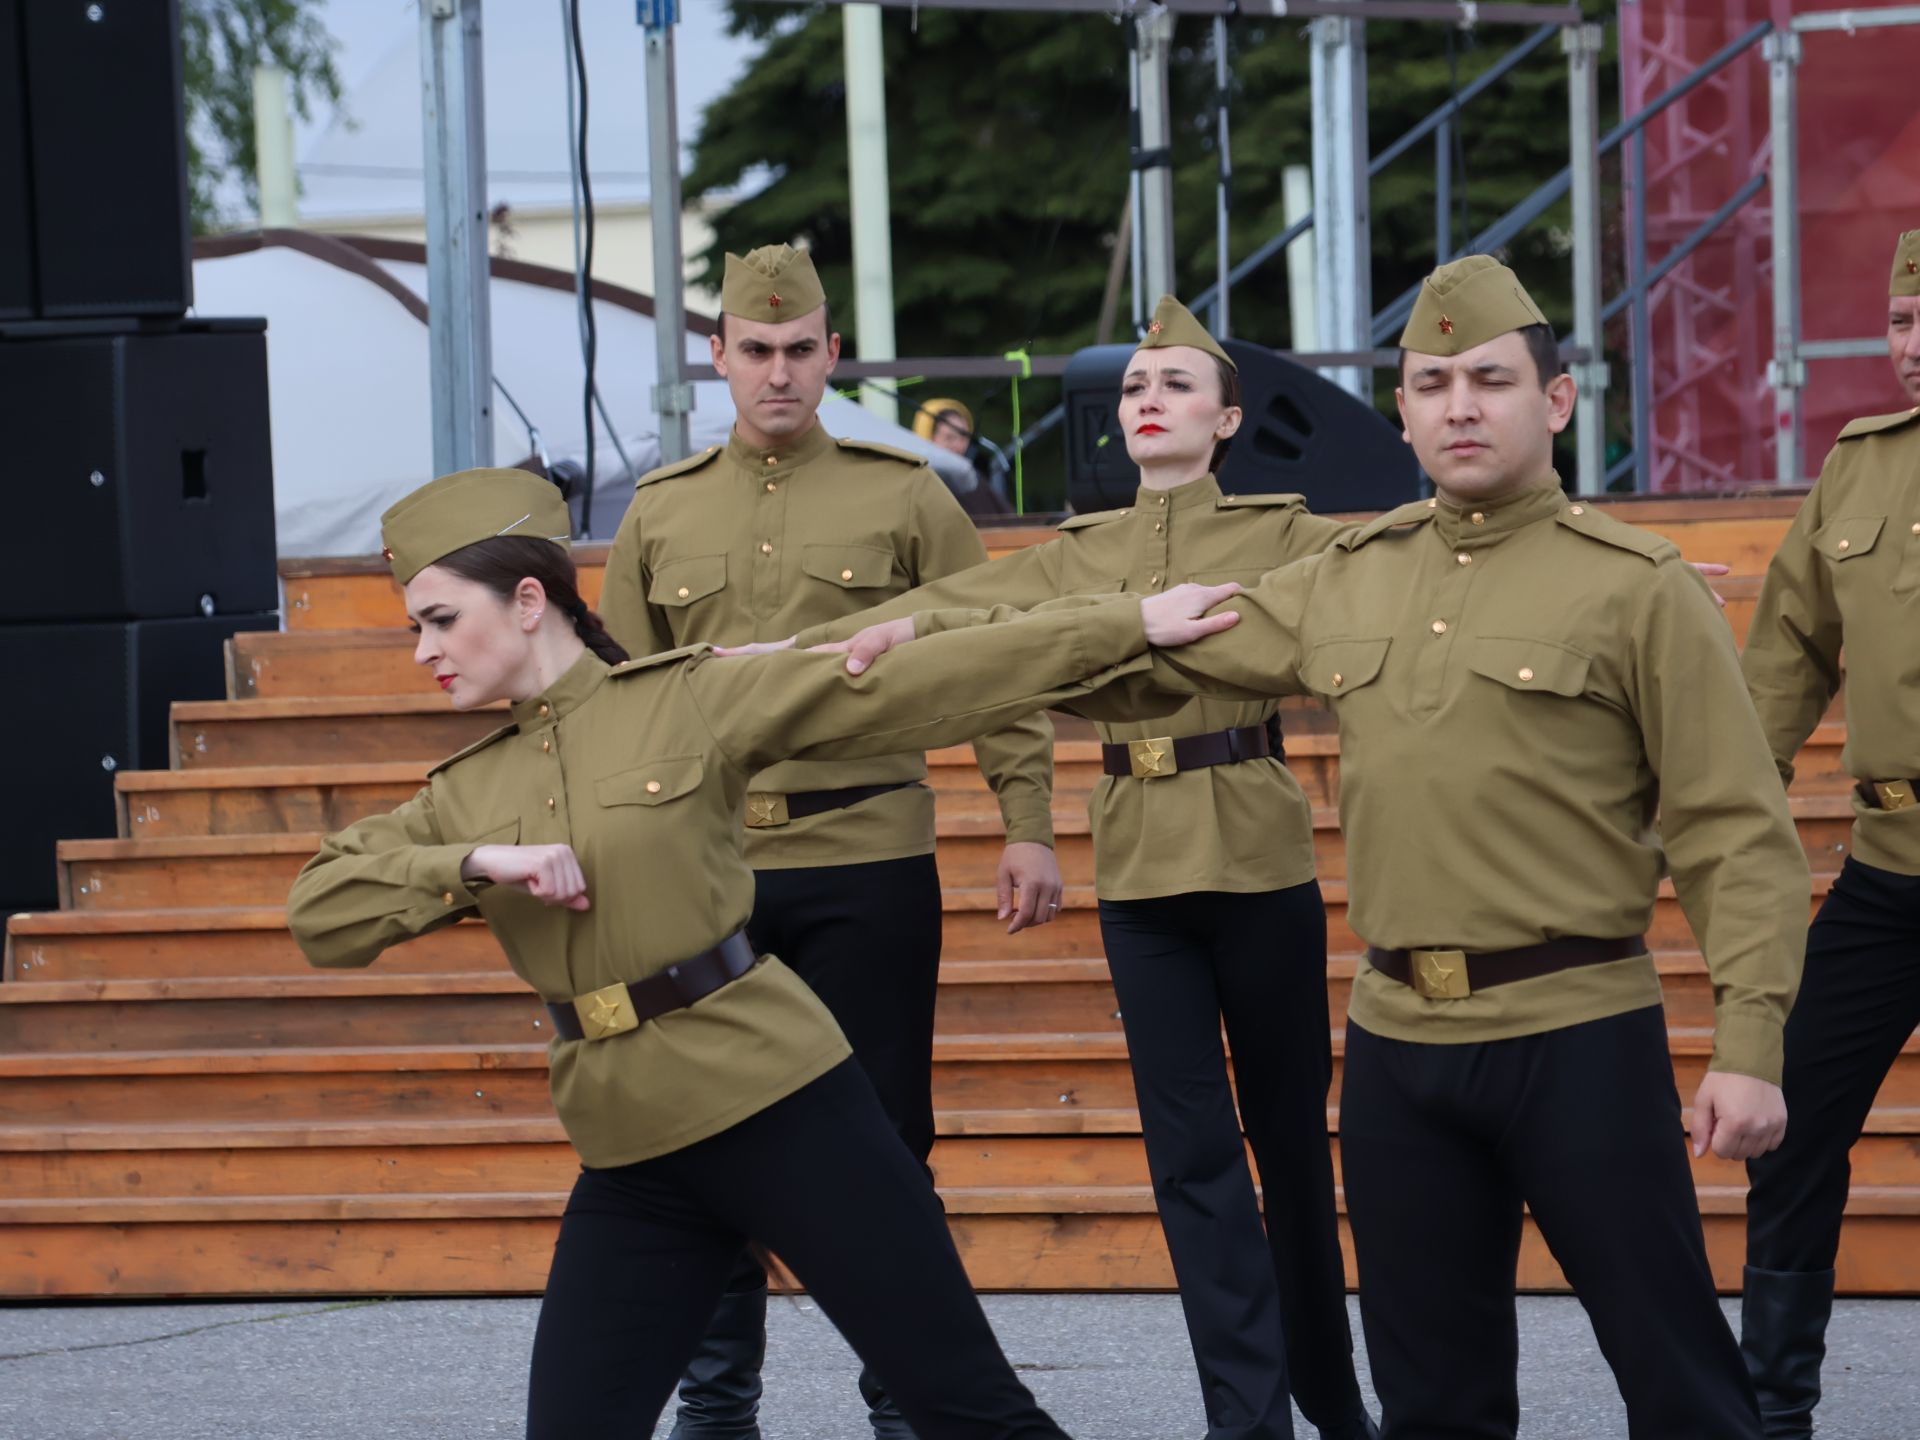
{"x":502,"y":562}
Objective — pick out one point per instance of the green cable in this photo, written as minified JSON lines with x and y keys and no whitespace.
{"x":1025,"y":362}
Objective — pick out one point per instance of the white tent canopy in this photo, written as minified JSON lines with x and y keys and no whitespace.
{"x":348,"y":381}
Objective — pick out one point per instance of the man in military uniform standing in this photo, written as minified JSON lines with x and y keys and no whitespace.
{"x":1847,"y":577}
{"x":781,"y":528}
{"x":1522,"y":684}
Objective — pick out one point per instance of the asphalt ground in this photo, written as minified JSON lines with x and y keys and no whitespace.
{"x":1109,"y":1367}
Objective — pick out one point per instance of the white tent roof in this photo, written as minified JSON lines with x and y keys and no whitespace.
{"x":351,"y":408}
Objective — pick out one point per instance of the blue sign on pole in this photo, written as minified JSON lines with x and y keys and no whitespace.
{"x":658,"y":14}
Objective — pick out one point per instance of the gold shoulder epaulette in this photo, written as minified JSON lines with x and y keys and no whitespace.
{"x":874,"y":447}
{"x":1596,"y":524}
{"x":1093,"y":517}
{"x":648,"y":662}
{"x":1876,"y":424}
{"x":1240,"y":502}
{"x":1417,"y":512}
{"x":482,"y":743}
{"x":679,"y":467}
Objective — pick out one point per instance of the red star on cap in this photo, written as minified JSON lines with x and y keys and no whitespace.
{"x":1913,"y":267}
{"x":1155,"y":328}
{"x":1446,"y":325}
{"x":386,"y":552}
{"x":774,"y":300}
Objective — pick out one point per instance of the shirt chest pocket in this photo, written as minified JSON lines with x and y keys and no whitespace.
{"x":652,"y":782}
{"x":1844,"y":541}
{"x":1336,"y":668}
{"x":1538,"y":667}
{"x":694,"y":577}
{"x":848,"y":567}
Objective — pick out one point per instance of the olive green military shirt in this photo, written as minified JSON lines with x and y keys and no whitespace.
{"x":643,"y":770}
{"x":1519,"y":688}
{"x":742,"y":544}
{"x":1848,"y":575}
{"x":1243,"y":827}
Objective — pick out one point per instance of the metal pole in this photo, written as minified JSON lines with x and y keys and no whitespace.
{"x":1582,"y":44}
{"x":1135,"y":268}
{"x":672,"y":394}
{"x":459,"y":331}
{"x":1443,"y":193}
{"x":1786,"y":372}
{"x":1303,"y":308}
{"x":1641,"y":323}
{"x":870,"y":199}
{"x":273,"y":148}
{"x":1153,"y":159}
{"x":1341,"y":229}
{"x":1222,"y":316}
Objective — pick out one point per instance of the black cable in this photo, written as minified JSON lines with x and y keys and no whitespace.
{"x":591,"y":346}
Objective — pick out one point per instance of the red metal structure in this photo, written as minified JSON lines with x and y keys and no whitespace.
{"x":1859,"y":187}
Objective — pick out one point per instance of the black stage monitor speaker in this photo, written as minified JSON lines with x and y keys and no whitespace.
{"x":1301,"y":434}
{"x":100,"y":699}
{"x":106,"y":120}
{"x":143,"y":470}
{"x":16,"y":206}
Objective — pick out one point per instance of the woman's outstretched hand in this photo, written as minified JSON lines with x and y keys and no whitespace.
{"x":1180,"y":617}
{"x":550,"y":873}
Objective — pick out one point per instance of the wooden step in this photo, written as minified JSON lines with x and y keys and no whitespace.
{"x":1058,"y":1075}
{"x":1742,"y":533}
{"x":493,"y":1007}
{"x":1058,"y":1238}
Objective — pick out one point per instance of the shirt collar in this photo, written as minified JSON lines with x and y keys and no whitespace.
{"x":1487,"y":521}
{"x":564,"y":696}
{"x":810,"y":444}
{"x":1204,"y":491}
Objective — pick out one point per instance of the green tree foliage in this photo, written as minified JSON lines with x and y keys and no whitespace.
{"x":221,"y":43}
{"x":1008,"y":142}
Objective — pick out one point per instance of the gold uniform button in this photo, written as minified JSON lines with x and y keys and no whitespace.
{"x":1439,"y":627}
{"x":447,"y":898}
{"x":1158,"y":527}
{"x":544,"y":709}
{"x":1153,"y":579}
{"x":1338,"y":679}
{"x":846,"y":574}
{"x":545,"y":746}
{"x":1846,"y":544}
{"x":1464,"y":558}
{"x":1478,"y":518}
{"x":1576,"y":509}
{"x":1526,"y":672}
{"x":766,"y":547}
{"x":653,"y":787}
{"x":1163,"y":499}
{"x":549,"y":802}
{"x":1916,"y":527}
{"x":1434,"y":504}
{"x":773,"y":459}
{"x":771,"y":487}
{"x":683,"y":592}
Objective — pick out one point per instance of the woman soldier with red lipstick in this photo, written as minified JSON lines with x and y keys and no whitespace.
{"x":1209,"y":909}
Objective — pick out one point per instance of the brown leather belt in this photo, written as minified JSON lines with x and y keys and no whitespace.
{"x":766,"y":810}
{"x":1889,"y":794}
{"x":1454,"y":974}
{"x":617,"y":1008}
{"x":1163,"y":755}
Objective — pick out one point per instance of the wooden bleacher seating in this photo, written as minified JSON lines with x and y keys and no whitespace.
{"x":186,"y":1108}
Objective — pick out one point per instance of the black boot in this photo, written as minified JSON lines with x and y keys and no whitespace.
{"x":1359,"y":1426}
{"x":720,"y":1393}
{"x":888,"y":1422}
{"x":1783,"y":1336}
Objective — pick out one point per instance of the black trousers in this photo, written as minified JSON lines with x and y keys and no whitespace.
{"x":821,"y":1180}
{"x":1859,"y":1001}
{"x":1263,"y":1304}
{"x":1441,"y":1144}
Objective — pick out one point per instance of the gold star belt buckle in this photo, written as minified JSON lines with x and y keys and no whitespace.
{"x":765,"y":810}
{"x":1894,"y":794}
{"x":604,"y":1012}
{"x":1440,"y":974}
{"x":1152,"y":759}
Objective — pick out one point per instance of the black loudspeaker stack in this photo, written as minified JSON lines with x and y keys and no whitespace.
{"x":139,"y":507}
{"x":1300,"y":433}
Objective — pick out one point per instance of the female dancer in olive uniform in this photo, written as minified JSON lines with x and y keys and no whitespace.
{"x":708,"y":1091}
